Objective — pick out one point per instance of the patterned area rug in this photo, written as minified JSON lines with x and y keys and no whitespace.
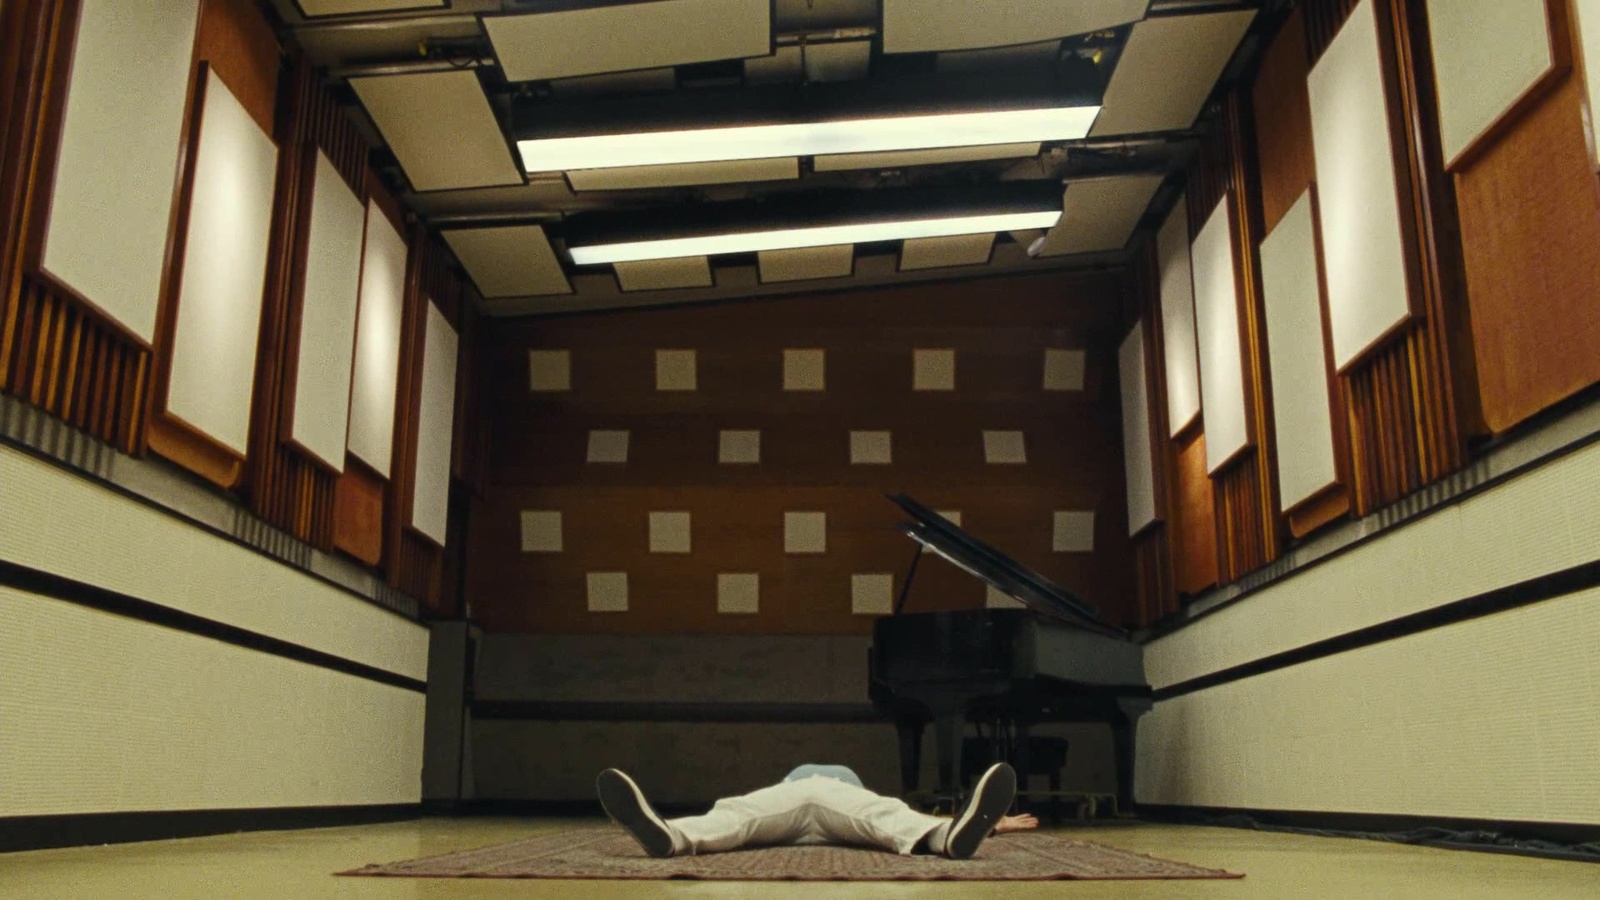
{"x":610,"y":853}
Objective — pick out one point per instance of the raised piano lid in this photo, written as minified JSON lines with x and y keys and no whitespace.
{"x":1000,"y":571}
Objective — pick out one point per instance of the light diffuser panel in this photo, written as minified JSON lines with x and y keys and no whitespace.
{"x":900,"y":159}
{"x":510,"y":261}
{"x":441,"y":129}
{"x":224,"y":271}
{"x":1100,"y":215}
{"x":621,"y":37}
{"x":1168,"y":69}
{"x":918,"y":26}
{"x":925,"y":132}
{"x":328,"y":317}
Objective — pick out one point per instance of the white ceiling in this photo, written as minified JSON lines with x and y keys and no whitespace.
{"x":446,"y":121}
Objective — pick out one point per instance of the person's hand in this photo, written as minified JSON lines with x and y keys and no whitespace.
{"x":1023,"y":822}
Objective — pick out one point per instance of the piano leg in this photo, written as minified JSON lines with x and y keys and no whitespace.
{"x":948,"y":731}
{"x":910,"y":731}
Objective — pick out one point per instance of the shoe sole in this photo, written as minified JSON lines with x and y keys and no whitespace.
{"x":990,"y":799}
{"x":626,"y":805}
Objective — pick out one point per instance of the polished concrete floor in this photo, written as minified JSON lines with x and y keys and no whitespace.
{"x":297,"y":864}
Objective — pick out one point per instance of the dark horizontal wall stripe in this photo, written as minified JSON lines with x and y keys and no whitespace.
{"x":35,"y":581}
{"x":1524,"y":593}
{"x":1547,"y":839}
{"x":44,"y":832}
{"x":784,"y":713}
{"x":409,"y":614}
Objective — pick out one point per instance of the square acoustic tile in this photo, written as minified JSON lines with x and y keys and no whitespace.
{"x":804,"y":370}
{"x":541,"y":531}
{"x":739,"y":447}
{"x":870,"y":448}
{"x":995,"y":599}
{"x":608,"y":591}
{"x":805,"y":532}
{"x":872,"y":595}
{"x":608,"y":447}
{"x":1063,"y":370}
{"x":933,"y":370}
{"x":954,"y":515}
{"x":1073,"y":532}
{"x":675,"y":370}
{"x":669,"y":532}
{"x":549,"y":370}
{"x":1004,"y":448}
{"x":738,"y":593}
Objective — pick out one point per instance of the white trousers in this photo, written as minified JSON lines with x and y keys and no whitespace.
{"x":813,"y":810}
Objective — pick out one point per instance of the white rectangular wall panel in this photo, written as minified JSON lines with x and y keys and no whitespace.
{"x":117,"y":165}
{"x":1167,"y":70}
{"x":1540,"y":522}
{"x":441,"y":129}
{"x":328,"y":317}
{"x":1293,"y":300}
{"x":917,"y":26}
{"x":224,"y":271}
{"x":430,"y":501}
{"x":1486,"y":55}
{"x":1586,"y":23}
{"x":60,"y":523}
{"x":1136,"y":454}
{"x":103,"y":713}
{"x":512,"y":261}
{"x":1100,"y":215}
{"x":377,"y":360}
{"x":538,"y":46}
{"x":1216,"y":313}
{"x":1177,"y":320}
{"x":1493,"y":719}
{"x":1357,"y":195}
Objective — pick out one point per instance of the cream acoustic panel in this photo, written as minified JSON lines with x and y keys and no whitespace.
{"x":1292,"y":296}
{"x":607,"y":592}
{"x":665,"y":274}
{"x":373,"y":386}
{"x":607,"y":446}
{"x":1005,"y":448}
{"x":1586,"y":22}
{"x":512,"y":261}
{"x":1216,"y":314}
{"x":805,"y":263}
{"x":1358,"y":198}
{"x":549,"y":370}
{"x":1486,"y":55}
{"x":117,"y":163}
{"x":441,"y":129}
{"x":1177,"y":320}
{"x":933,"y":369}
{"x":670,"y":532}
{"x":1537,"y":523}
{"x":328,"y":318}
{"x":60,"y":523}
{"x":739,"y":593}
{"x":1138,"y":461}
{"x":942,"y":252}
{"x":1064,"y":370}
{"x":918,"y":26}
{"x":541,"y":531}
{"x":899,"y":159}
{"x":872,"y":595}
{"x":315,"y":8}
{"x":619,"y":38}
{"x":224,"y":271}
{"x":629,"y":178}
{"x":436,"y":417}
{"x":997,"y":599}
{"x":805,"y":532}
{"x":1167,"y":70}
{"x":108,"y":714}
{"x":805,"y":370}
{"x":1493,"y":718}
{"x":1100,"y":215}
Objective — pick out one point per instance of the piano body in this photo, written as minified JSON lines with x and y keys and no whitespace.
{"x":1055,"y":661}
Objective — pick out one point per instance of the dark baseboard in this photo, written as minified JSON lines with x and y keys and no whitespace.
{"x":44,"y":832}
{"x":1554,"y":840}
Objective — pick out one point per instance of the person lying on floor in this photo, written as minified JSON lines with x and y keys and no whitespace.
{"x":816,"y":805}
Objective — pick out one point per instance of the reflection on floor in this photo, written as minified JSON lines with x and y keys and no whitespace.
{"x":297,"y":864}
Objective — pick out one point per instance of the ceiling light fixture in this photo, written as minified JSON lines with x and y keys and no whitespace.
{"x":868,"y":135}
{"x":816,"y":236}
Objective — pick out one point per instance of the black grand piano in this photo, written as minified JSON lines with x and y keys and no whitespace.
{"x":1055,"y":661}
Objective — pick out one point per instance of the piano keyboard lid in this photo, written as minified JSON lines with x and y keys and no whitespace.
{"x":1000,"y":571}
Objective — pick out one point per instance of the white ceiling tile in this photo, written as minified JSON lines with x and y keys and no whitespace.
{"x":916,"y":26}
{"x":1167,"y":70}
{"x":804,"y":263}
{"x":1100,"y":215}
{"x":441,"y":129}
{"x":896,"y":159}
{"x":665,"y":274}
{"x":940,"y":252}
{"x":514,"y":261}
{"x":562,"y":44}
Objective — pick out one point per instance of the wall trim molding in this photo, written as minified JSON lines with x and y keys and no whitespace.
{"x":56,"y":587}
{"x":1524,"y":593}
{"x":44,"y":832}
{"x":627,"y":711}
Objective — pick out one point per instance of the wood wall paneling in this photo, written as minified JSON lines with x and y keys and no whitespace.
{"x":1194,"y":543}
{"x":1282,"y":109}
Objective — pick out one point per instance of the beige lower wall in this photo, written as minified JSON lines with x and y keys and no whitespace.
{"x":102,"y":713}
{"x":1493,"y":718}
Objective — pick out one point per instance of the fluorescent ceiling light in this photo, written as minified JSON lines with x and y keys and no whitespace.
{"x":818,"y":236}
{"x":605,"y":151}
